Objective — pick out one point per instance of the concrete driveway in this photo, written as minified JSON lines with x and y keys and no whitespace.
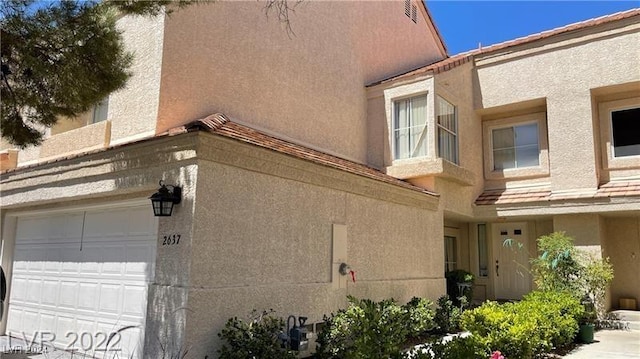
{"x":609,"y":344}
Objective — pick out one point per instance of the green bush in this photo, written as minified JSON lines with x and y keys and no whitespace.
{"x":459,"y":276}
{"x":468,"y":347}
{"x":541,"y":321}
{"x":556,"y":267}
{"x":256,"y":338}
{"x":366,"y":329}
{"x":421,"y":316}
{"x":447,"y":316}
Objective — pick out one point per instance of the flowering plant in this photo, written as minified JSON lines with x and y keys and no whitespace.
{"x":497,"y":355}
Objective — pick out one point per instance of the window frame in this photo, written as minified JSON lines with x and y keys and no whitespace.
{"x":424,"y":134}
{"x":515,"y":147}
{"x":541,"y":170}
{"x":609,"y":160}
{"x":455,"y":134}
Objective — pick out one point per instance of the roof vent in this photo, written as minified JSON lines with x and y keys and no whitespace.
{"x":407,"y":8}
{"x":414,"y":14}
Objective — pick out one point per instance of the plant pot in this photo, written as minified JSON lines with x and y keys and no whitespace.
{"x":585,"y":334}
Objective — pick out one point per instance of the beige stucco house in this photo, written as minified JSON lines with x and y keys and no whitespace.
{"x":524,"y":138}
{"x":356,"y":140}
{"x":266,"y":132}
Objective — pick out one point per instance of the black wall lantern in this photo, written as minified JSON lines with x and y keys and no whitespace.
{"x":163,"y":200}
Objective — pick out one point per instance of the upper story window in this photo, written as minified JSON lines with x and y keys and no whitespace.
{"x":620,"y":136}
{"x":410,"y":127}
{"x":515,"y":146}
{"x":100,"y":111}
{"x":625,"y":128}
{"x":447,"y":125}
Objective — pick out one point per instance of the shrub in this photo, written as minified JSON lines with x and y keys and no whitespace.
{"x":455,"y":277}
{"x":421,"y":316}
{"x":541,"y":321}
{"x":556,"y":267}
{"x":366,"y":329}
{"x":256,"y":338}
{"x":468,"y":347}
{"x":447,"y":316}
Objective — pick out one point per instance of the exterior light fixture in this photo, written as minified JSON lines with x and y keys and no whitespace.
{"x":163,"y":200}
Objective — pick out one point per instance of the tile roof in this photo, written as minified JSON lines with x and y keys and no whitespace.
{"x":462,"y":58}
{"x":220,"y":125}
{"x":608,"y":190}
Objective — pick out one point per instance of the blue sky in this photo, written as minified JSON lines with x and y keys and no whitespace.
{"x":464,"y":24}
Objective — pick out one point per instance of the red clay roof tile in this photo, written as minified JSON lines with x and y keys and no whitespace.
{"x":220,"y":125}
{"x":456,"y":60}
{"x":607,"y":190}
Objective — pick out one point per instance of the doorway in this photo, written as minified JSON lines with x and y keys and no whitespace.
{"x":512,"y":278}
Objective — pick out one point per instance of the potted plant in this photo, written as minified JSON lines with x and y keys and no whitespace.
{"x":587,"y":322}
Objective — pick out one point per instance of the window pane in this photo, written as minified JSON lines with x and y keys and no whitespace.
{"x":100,"y":111}
{"x":526,"y":135}
{"x":450,"y":253}
{"x":483,"y":254}
{"x":401,"y":119}
{"x":446,"y":115}
{"x":503,"y":159}
{"x":419,"y":111}
{"x":410,"y":118}
{"x":527,"y":156}
{"x":503,"y":138}
{"x":402,"y":143}
{"x":626,"y":132}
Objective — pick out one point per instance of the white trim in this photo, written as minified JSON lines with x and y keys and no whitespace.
{"x":626,"y":166}
{"x":139,"y":202}
{"x":541,"y":170}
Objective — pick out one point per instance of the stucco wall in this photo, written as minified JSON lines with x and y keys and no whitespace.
{"x":133,"y":110}
{"x":623,"y":249}
{"x":263,"y":241}
{"x":563,"y":71}
{"x":229,"y":57}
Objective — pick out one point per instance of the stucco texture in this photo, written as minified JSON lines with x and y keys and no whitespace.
{"x":563,"y":73}
{"x":307,"y":85}
{"x":263,"y":241}
{"x":623,"y":249}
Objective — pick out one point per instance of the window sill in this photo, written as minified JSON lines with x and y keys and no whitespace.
{"x":422,"y":167}
{"x":517,"y":173}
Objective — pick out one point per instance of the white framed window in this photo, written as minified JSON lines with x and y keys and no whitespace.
{"x":100,"y":111}
{"x":515,"y":146}
{"x":410,"y":127}
{"x":625,"y":132}
{"x":620,"y":136}
{"x":447,"y":126}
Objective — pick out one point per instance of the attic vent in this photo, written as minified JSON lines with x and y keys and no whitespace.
{"x":407,"y":8}
{"x":414,"y":14}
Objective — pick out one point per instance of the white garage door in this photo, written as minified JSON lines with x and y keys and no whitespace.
{"x":78,"y":277}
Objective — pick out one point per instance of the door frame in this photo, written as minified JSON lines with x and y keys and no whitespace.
{"x":496,"y":243}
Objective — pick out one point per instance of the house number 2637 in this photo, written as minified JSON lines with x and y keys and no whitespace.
{"x":172,"y":239}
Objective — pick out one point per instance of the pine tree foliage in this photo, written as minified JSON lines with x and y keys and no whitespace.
{"x":61,"y":58}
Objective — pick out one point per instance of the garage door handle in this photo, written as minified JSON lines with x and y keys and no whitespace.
{"x":497,"y":268}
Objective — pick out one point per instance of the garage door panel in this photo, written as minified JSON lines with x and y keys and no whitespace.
{"x":100,"y":224}
{"x":69,"y":281}
{"x":110,"y":298}
{"x":33,"y":290}
{"x":88,"y":298}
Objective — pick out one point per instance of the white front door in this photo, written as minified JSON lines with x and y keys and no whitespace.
{"x":511,"y":263}
{"x":80,"y":276}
